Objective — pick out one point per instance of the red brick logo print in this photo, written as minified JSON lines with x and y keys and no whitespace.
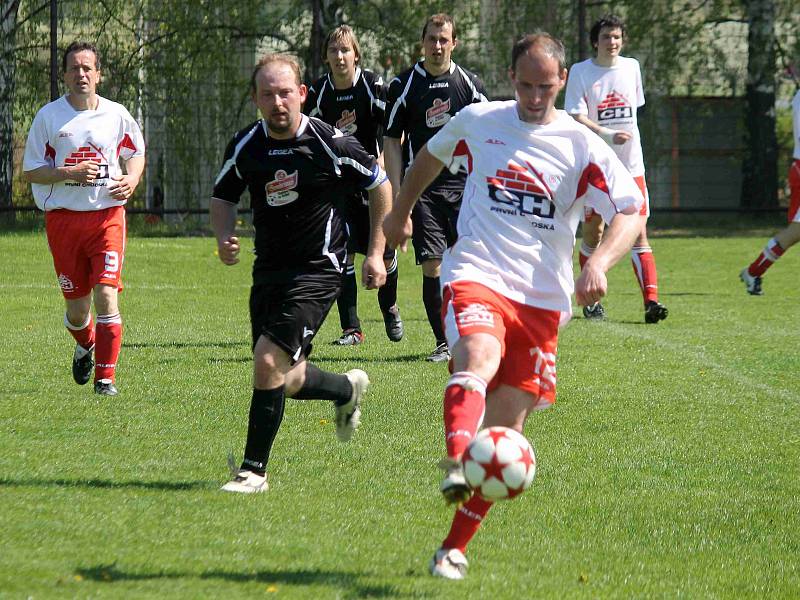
{"x":615,"y":106}
{"x":85,"y":153}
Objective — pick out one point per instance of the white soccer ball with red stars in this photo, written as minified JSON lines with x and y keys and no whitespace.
{"x":499,"y":463}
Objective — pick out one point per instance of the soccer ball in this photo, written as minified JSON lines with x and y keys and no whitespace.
{"x":499,"y":463}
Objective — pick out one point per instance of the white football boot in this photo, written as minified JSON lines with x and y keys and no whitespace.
{"x":449,"y":563}
{"x":454,"y":486}
{"x":348,"y":416}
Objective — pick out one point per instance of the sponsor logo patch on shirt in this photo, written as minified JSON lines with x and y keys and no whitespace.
{"x":280,"y":190}
{"x":438,"y":114}
{"x":347,"y":124}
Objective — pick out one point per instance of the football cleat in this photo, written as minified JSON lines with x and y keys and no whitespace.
{"x":440,"y":354}
{"x":753,"y":284}
{"x":454,"y":486}
{"x":394,"y":324}
{"x":350,"y":337}
{"x":595,"y":312}
{"x":105,"y":387}
{"x":655,"y":312}
{"x":246,"y":481}
{"x":82,"y":364}
{"x":348,"y":415}
{"x":449,"y":563}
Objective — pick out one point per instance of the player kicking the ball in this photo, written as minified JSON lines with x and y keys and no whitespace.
{"x":507,"y":280}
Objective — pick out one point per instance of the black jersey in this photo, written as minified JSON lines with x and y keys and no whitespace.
{"x":297,"y":190}
{"x":358,"y":110}
{"x":419,"y":104}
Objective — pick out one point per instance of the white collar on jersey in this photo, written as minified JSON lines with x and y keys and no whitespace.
{"x":356,"y":77}
{"x":419,"y":68}
{"x":300,"y":130}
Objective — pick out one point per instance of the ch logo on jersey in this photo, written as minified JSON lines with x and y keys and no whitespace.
{"x":90,"y":152}
{"x":615,"y":106}
{"x":475,"y":315}
{"x":524,"y":191}
{"x":347,"y":124}
{"x":438,"y":114}
{"x":280,"y":190}
{"x":544,"y":366}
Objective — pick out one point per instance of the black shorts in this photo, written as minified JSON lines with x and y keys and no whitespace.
{"x":434,"y":218}
{"x":357,"y":217}
{"x":290,"y":312}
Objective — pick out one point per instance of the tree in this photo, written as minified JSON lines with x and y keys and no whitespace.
{"x":8,"y":23}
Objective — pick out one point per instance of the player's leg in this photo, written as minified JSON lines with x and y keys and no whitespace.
{"x":430,"y":241}
{"x":107,"y":255}
{"x":591,"y":234}
{"x":505,"y":406}
{"x":347,"y":305}
{"x":644,"y":264}
{"x":783,"y":240}
{"x":387,"y":298}
{"x":66,"y":231}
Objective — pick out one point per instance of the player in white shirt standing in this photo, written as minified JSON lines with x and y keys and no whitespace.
{"x":604,"y":94}
{"x":72,"y":159}
{"x":508,"y":278}
{"x":790,"y":235}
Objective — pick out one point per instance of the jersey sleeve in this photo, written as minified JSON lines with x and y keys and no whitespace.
{"x":605,"y":184}
{"x":229,"y":184}
{"x":38,"y":152}
{"x":131,"y":141}
{"x":394,"y":123}
{"x":639,"y":86}
{"x":574,"y":98}
{"x":445,"y":144}
{"x":480,"y":90}
{"x":379,"y":95}
{"x":357,"y":165}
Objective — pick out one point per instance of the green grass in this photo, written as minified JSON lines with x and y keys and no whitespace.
{"x":667,"y":468}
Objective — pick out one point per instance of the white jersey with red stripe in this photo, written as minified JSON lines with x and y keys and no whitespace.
{"x":796,"y":124}
{"x":609,"y":96}
{"x":62,"y":136}
{"x":524,"y":197}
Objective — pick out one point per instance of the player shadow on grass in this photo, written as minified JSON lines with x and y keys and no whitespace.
{"x":107,"y":484}
{"x":349,"y":582}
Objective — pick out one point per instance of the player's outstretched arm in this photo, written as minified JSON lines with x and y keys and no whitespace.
{"x":223,"y":222}
{"x":592,"y":284}
{"x":373,"y":271}
{"x":397,"y":225}
{"x":610,"y":136}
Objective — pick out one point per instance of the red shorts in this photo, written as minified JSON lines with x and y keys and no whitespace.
{"x":794,"y":186}
{"x":528,"y":336}
{"x":589,"y":212}
{"x":87,"y":247}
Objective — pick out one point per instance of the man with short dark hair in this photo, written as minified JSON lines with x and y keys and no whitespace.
{"x":421,"y":100}
{"x":604,"y":94}
{"x":84,"y":158}
{"x":353,"y":99}
{"x":298,"y":170}
{"x":508,"y":278}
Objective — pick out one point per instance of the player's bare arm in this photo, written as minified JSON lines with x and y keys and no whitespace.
{"x":124,"y":185}
{"x":223,"y":223}
{"x":83,"y":172}
{"x":393,"y":159}
{"x":397,"y":224}
{"x":373,"y":271}
{"x":592,"y":284}
{"x":610,"y":136}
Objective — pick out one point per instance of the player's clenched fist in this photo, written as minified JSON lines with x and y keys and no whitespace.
{"x":85,"y":172}
{"x":229,"y":250}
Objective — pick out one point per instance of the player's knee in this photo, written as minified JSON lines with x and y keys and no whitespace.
{"x":432,"y":267}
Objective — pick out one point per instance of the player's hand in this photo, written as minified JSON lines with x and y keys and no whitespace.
{"x":228,"y":250}
{"x":398,"y":229}
{"x":123,"y":188}
{"x":620,"y":137}
{"x":373,"y":272}
{"x":591,"y":285}
{"x":84,"y":172}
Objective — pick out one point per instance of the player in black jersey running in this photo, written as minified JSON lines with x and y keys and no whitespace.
{"x":299,"y":172}
{"x":353,"y":100}
{"x":421,"y":100}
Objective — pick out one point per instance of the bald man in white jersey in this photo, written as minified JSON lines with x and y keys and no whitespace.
{"x":507,"y":280}
{"x":604,"y":94}
{"x":790,"y":235}
{"x":74,"y":159}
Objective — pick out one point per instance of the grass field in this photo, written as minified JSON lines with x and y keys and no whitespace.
{"x":669,"y":467}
